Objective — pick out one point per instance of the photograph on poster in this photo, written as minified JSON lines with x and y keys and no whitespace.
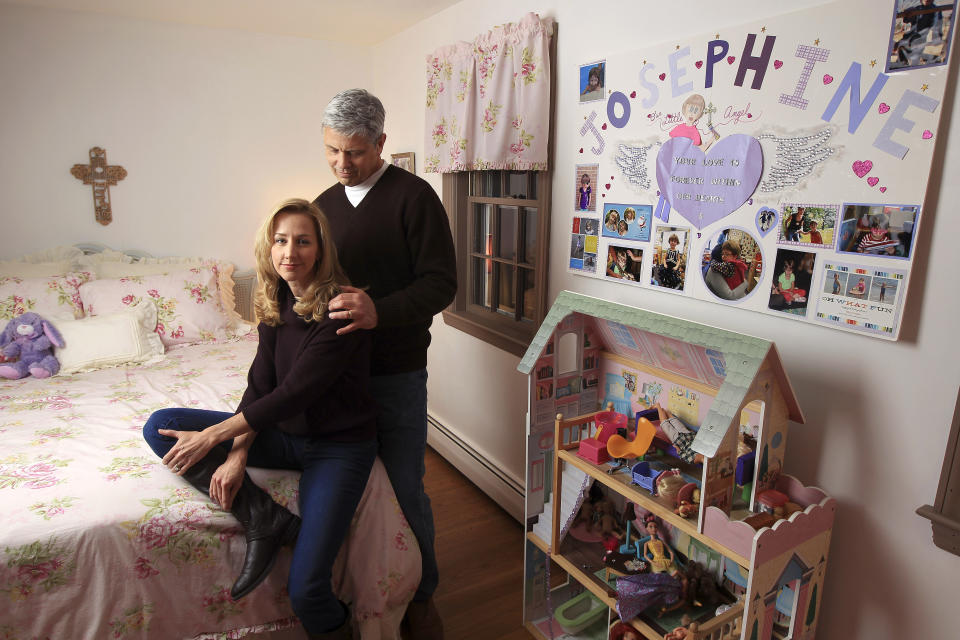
{"x":792,"y":278}
{"x":585,"y":198}
{"x":589,"y":226}
{"x":583,"y":252}
{"x":624,"y":263}
{"x":920,"y":34}
{"x":627,"y":221}
{"x":766,"y":219}
{"x":670,"y":254}
{"x":811,"y":224}
{"x":859,"y":298}
{"x":877,"y":229}
{"x":591,"y":81}
{"x":731,"y":264}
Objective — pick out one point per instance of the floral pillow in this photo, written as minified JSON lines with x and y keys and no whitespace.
{"x":188,"y":306}
{"x":53,"y":297}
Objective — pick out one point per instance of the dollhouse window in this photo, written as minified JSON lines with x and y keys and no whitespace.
{"x":567,"y":353}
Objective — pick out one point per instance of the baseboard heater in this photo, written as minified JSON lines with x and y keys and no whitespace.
{"x":500,"y":487}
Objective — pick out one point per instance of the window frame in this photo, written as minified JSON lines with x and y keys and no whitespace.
{"x":505,"y":332}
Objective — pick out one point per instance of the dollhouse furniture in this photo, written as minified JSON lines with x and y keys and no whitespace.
{"x":717,"y":381}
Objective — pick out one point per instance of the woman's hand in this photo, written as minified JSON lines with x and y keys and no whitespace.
{"x":191,"y":448}
{"x":226,"y":481}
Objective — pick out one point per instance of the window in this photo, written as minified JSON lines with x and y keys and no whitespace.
{"x":501,"y":228}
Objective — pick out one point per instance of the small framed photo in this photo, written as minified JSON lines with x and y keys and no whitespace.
{"x":920,"y":34}
{"x":404,"y":161}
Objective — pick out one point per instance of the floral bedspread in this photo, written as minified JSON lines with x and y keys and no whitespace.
{"x":99,"y":540}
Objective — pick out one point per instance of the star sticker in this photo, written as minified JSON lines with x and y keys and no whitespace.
{"x":763,"y":30}
{"x":644,"y":62}
{"x":817,"y":41}
{"x":924,"y":88}
{"x":678,"y":47}
{"x":718,"y":36}
{"x":873,"y":63}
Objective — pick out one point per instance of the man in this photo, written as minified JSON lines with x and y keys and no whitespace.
{"x":393,"y":239}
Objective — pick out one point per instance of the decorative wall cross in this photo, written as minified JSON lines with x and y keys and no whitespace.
{"x":102,"y":176}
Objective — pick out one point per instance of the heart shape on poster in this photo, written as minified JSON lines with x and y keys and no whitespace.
{"x":581,"y":149}
{"x":777,"y":64}
{"x":633,"y":94}
{"x":604,"y":127}
{"x":883,"y":108}
{"x":730,"y":59}
{"x":827,"y":78}
{"x":927,"y":134}
{"x":705,"y":188}
{"x":663,"y":76}
{"x":862,"y":167}
{"x":698,"y":64}
{"x":607,"y":186}
{"x":872,"y":181}
{"x":766,"y":220}
{"x":883,"y":189}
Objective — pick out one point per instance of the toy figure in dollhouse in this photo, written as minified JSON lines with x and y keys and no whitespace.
{"x":623,"y":631}
{"x":692,"y":110}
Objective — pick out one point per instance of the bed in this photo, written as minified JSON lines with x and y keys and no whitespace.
{"x":99,"y":540}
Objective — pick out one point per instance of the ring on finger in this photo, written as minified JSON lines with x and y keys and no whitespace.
{"x":350,"y":313}
{"x":176,"y":468}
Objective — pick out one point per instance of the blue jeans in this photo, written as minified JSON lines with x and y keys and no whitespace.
{"x":402,"y":432}
{"x":333,"y":479}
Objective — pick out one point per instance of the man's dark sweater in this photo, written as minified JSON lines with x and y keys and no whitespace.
{"x":397,"y":246}
{"x":307,"y":380}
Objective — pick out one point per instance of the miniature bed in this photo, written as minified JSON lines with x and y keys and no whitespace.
{"x":100,"y":540}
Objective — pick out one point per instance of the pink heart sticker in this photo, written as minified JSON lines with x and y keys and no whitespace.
{"x":862,"y":167}
{"x":581,"y":149}
{"x":606,"y":186}
{"x":730,"y":59}
{"x":633,"y":94}
{"x":777,"y":64}
{"x":698,"y":64}
{"x":749,"y":115}
{"x":927,"y":134}
{"x":604,"y":127}
{"x":827,"y":78}
{"x":663,"y":76}
{"x":611,"y":177}
{"x":883,"y":189}
{"x":883,"y":108}
{"x":872,"y":181}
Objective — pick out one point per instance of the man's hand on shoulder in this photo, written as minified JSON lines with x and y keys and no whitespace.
{"x":355,"y":305}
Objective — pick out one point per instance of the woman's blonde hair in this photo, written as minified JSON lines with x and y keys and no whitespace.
{"x":328,"y":275}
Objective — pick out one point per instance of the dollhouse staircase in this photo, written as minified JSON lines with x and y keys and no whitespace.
{"x":575,"y":486}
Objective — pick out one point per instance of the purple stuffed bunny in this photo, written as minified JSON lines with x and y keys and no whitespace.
{"x":31,"y":339}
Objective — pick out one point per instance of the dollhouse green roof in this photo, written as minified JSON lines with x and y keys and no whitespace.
{"x":743,"y":356}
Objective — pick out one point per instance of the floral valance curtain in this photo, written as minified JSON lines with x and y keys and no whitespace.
{"x":488,"y":101}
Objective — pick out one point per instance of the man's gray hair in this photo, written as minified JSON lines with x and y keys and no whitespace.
{"x":355,"y":112}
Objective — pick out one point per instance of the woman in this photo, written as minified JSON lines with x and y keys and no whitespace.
{"x":306,"y":407}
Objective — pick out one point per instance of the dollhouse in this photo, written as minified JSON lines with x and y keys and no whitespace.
{"x":760,"y":535}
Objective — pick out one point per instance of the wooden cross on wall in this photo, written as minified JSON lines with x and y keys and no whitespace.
{"x":102,"y":176}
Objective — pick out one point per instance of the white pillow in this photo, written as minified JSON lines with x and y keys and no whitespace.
{"x":113,"y":339}
{"x":41,"y":264}
{"x":188,"y":307}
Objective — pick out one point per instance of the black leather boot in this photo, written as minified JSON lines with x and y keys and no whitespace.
{"x":266,"y":524}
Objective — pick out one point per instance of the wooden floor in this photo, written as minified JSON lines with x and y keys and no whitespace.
{"x":480,"y":555}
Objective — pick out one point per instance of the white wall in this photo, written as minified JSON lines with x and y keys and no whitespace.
{"x":878,"y":413}
{"x":214,"y":127}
